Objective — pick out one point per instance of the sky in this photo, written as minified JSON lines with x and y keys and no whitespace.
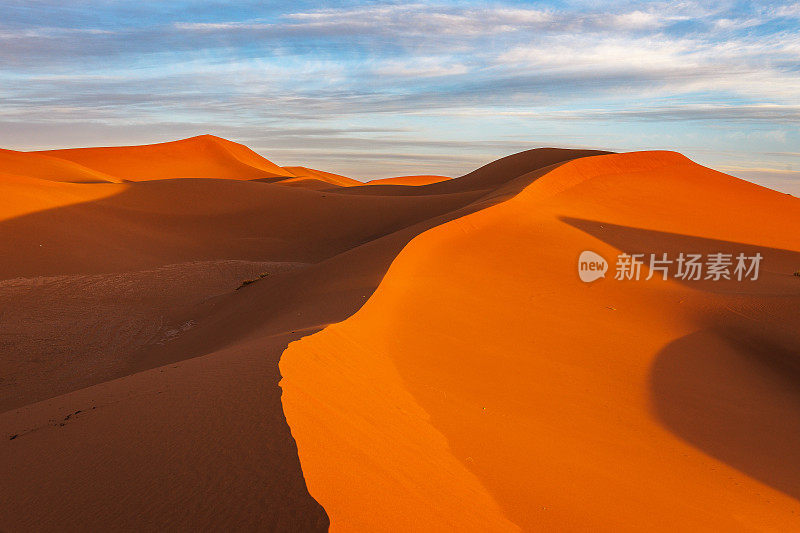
{"x":377,"y":89}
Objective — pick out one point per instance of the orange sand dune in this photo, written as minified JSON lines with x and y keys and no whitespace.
{"x":409,"y":180}
{"x":205,"y":156}
{"x":33,"y":165}
{"x":308,"y":183}
{"x":311,"y":175}
{"x":481,"y":387}
{"x":495,"y":180}
{"x":613,"y":406}
{"x":20,"y":195}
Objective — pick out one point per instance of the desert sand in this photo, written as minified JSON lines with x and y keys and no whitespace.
{"x":423,"y":179}
{"x":317,"y":178}
{"x":408,"y":354}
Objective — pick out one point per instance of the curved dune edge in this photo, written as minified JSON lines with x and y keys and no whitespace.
{"x":371,"y":473}
{"x":550,"y":394}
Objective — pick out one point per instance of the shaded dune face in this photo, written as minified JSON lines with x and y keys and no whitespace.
{"x":733,"y":391}
{"x":148,"y":399}
{"x":88,"y":328}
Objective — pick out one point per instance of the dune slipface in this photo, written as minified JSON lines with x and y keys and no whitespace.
{"x":442,"y":367}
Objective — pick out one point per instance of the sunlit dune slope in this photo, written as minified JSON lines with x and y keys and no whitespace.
{"x":205,"y":156}
{"x":33,"y":165}
{"x":423,"y":179}
{"x":638,"y":405}
{"x":21,"y":195}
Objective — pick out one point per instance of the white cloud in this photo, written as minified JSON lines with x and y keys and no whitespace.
{"x":419,"y":19}
{"x":789,"y":11}
{"x":637,"y":20}
{"x":422,"y":67}
{"x":579,"y":52}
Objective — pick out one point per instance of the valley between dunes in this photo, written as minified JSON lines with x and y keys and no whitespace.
{"x":408,"y":354}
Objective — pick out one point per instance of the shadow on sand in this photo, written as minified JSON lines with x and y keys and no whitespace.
{"x":732,"y":388}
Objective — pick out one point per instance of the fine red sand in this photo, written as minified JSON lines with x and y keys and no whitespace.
{"x":447,"y":369}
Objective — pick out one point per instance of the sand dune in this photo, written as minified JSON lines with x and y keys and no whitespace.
{"x":445,"y":369}
{"x":21,"y":195}
{"x":205,"y":156}
{"x":320,"y":180}
{"x":423,"y":179}
{"x":33,"y":165}
{"x":310,"y":174}
{"x":552,"y":393}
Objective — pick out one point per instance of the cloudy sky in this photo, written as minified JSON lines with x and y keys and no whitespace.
{"x":373,"y":89}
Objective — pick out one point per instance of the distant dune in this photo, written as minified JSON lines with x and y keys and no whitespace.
{"x":41,"y":166}
{"x":205,"y":156}
{"x":409,"y":180}
{"x":305,"y":174}
{"x":318,"y":179}
{"x":256,"y":347}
